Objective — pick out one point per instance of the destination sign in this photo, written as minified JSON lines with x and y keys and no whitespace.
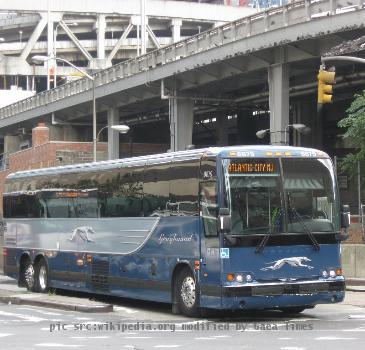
{"x":252,"y":167}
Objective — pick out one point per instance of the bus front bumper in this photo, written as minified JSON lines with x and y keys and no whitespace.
{"x":284,"y":294}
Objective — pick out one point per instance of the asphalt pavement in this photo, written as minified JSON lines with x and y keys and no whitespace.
{"x":143,"y":325}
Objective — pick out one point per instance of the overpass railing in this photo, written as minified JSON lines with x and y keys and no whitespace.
{"x":290,"y":14}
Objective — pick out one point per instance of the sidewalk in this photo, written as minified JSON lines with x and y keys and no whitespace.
{"x":11,"y":293}
{"x":355,"y":284}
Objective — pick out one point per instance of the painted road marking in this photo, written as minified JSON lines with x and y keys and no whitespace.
{"x":334,"y":338}
{"x":27,"y":318}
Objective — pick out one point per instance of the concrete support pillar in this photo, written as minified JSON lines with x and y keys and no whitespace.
{"x":278,"y":76}
{"x":113,"y":136}
{"x":221,"y":126}
{"x":144,"y":22}
{"x":176,"y":29}
{"x":101,"y":27}
{"x":50,"y":64}
{"x":181,"y":123}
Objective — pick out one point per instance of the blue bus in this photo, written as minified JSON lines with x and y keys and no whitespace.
{"x":246,"y":227}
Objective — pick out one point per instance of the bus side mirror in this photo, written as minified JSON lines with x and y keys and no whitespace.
{"x":345,"y":217}
{"x":224,"y":218}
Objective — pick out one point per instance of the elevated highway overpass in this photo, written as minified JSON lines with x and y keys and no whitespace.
{"x":263,"y":60}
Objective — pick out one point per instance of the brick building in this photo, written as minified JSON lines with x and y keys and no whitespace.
{"x":45,"y":153}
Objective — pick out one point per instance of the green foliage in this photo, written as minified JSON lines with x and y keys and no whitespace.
{"x":355,"y":125}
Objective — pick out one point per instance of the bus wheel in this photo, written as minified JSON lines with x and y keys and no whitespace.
{"x":28,"y":276}
{"x":41,"y":276}
{"x":293,"y":309}
{"x":186,"y":293}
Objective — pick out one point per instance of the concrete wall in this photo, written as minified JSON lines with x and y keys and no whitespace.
{"x":353,"y":260}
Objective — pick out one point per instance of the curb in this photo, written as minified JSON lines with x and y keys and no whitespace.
{"x":57,"y":305}
{"x":355,"y":289}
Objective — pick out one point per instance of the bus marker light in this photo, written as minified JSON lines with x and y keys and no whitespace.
{"x":233,"y":154}
{"x":196,"y":265}
{"x":278,"y":153}
{"x":5,"y":252}
{"x":288,"y":153}
{"x":89,"y":258}
{"x":230,"y":277}
{"x":269,"y":153}
{"x":339,"y":272}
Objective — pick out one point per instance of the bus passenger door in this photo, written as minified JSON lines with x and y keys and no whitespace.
{"x":210,"y":277}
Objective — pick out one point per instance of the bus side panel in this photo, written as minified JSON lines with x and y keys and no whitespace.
{"x":147,"y":273}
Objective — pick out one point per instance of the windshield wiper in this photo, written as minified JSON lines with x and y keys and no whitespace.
{"x":262,"y":244}
{"x":306,"y":229}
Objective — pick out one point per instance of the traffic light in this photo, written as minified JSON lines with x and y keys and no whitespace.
{"x":325,"y":81}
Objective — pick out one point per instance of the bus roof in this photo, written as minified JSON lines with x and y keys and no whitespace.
{"x":261,"y":151}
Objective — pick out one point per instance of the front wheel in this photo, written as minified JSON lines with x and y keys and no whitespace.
{"x":41,"y":277}
{"x":186,"y":294}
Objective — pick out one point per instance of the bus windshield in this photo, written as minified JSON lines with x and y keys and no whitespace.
{"x":291,"y":195}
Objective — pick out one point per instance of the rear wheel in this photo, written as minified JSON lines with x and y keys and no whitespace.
{"x":27,"y":276}
{"x":41,"y":277}
{"x":186,"y":293}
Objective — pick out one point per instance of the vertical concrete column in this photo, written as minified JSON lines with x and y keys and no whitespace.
{"x":221,"y":126}
{"x":113,"y":136}
{"x":50,"y":64}
{"x":101,"y":27}
{"x":176,"y":29}
{"x":181,"y":123}
{"x":278,"y":76}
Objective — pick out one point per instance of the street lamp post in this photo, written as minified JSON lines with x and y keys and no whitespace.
{"x":301,"y":128}
{"x":46,"y":58}
{"x":123,"y":129}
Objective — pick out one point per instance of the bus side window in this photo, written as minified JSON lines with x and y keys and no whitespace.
{"x":184,"y":188}
{"x":209,"y":207}
{"x":156,"y":190}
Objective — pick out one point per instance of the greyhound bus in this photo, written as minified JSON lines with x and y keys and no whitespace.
{"x":246,"y":227}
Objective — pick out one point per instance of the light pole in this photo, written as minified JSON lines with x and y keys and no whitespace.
{"x":46,"y":58}
{"x":123,"y":129}
{"x":301,"y":128}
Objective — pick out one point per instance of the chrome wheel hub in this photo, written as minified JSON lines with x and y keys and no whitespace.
{"x":43,"y":277}
{"x":188,"y":292}
{"x":29,"y":276}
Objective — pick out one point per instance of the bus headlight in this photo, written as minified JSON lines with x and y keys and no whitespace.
{"x":248,"y":278}
{"x":332,"y":273}
{"x":239,"y":278}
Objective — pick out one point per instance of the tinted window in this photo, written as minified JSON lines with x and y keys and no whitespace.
{"x":21,"y":206}
{"x":156,"y":190}
{"x":184,"y":188}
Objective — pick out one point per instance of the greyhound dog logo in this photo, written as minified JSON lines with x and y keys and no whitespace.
{"x":82,"y":233}
{"x":295,"y":261}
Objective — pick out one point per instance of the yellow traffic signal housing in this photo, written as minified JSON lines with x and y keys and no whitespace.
{"x":325,"y":89}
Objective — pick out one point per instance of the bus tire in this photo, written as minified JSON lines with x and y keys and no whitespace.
{"x":27,"y":276}
{"x":293,"y":309}
{"x":186,"y":293}
{"x":41,"y":276}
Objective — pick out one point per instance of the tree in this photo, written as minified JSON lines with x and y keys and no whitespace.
{"x":355,"y":125}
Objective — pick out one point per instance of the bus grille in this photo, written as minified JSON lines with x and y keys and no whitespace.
{"x":100,"y":275}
